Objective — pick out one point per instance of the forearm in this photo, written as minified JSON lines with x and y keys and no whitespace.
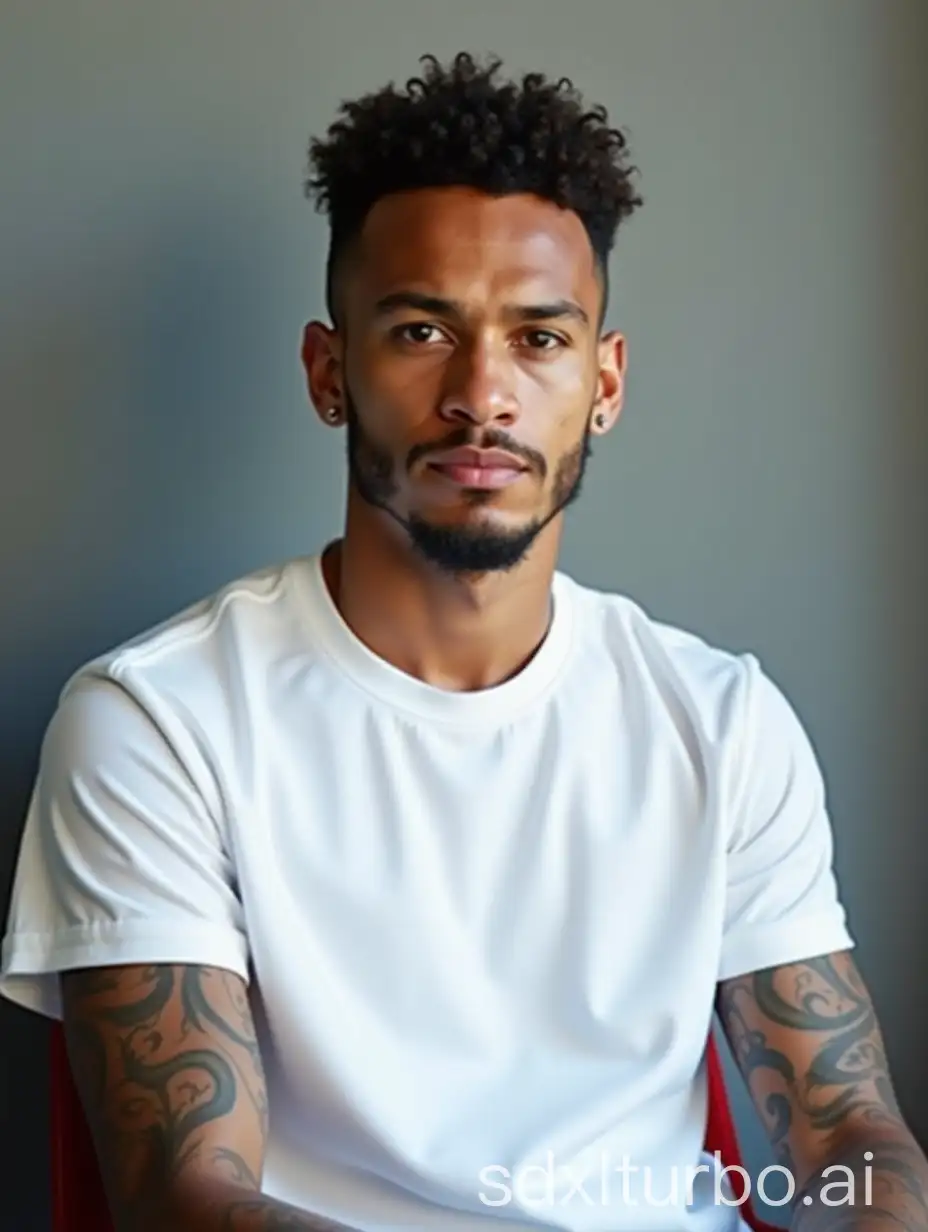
{"x":873,"y":1182}
{"x":232,"y":1208}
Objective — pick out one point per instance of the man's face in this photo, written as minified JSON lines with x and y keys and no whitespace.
{"x":469,"y":370}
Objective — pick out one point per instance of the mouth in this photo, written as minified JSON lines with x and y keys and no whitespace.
{"x":489,"y":469}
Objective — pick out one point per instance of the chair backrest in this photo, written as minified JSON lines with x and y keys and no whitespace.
{"x":79,"y":1204}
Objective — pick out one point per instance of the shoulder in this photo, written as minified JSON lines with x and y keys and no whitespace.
{"x":209,"y":650}
{"x":717,"y":690}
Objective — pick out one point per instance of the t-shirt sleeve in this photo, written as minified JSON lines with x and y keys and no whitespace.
{"x":122,"y":858}
{"x":782,"y":899}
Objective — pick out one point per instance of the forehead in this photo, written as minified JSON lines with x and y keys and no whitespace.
{"x":475,"y":248}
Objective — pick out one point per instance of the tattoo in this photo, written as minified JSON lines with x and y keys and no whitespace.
{"x":887,"y":1190}
{"x":238,"y":1169}
{"x":257,"y":1216}
{"x":839,"y":1092}
{"x":824,"y":996}
{"x":159,"y":982}
{"x":162,"y":1057}
{"x":235,"y":1024}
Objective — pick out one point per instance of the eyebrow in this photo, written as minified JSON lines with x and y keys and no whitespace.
{"x":555,"y":310}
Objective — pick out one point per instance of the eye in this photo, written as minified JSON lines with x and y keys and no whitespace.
{"x":544,"y":340}
{"x":419,"y":333}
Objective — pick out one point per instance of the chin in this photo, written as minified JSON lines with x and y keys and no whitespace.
{"x":474,"y":543}
{"x":483,"y":518}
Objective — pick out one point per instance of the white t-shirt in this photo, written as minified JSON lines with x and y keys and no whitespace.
{"x":483,"y":931}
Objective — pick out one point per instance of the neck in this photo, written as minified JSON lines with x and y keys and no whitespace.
{"x":456,"y":633}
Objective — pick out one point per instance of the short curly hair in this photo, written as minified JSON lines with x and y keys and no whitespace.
{"x":457,"y":125}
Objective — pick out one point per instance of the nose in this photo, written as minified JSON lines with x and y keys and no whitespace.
{"x":479,"y":388}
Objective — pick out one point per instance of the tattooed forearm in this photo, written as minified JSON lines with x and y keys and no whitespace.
{"x":169,"y":1069}
{"x":152,"y":1077}
{"x":879,"y":1184}
{"x":756,"y":1057}
{"x":255,"y":1215}
{"x":824,"y":1001}
{"x":809,"y":1045}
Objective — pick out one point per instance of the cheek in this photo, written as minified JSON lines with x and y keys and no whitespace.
{"x":556,"y":408}
{"x":562,"y":385}
{"x":397,"y":393}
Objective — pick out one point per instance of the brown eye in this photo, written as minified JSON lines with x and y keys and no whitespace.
{"x":543,"y":340}
{"x":420,"y":333}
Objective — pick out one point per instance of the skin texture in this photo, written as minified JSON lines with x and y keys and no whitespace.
{"x":808,"y":1043}
{"x":166,"y":1058}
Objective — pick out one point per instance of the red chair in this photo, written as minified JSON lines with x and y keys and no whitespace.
{"x":79,"y":1205}
{"x":78,"y":1201}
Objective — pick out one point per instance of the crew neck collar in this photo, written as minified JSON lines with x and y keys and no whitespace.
{"x":381,"y":679}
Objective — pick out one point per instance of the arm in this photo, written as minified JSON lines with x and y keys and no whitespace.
{"x":808,"y":1043}
{"x":166,"y":1062}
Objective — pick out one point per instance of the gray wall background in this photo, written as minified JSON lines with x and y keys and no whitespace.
{"x":766,"y":488}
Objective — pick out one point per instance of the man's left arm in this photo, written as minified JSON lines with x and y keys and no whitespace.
{"x":807,"y":1040}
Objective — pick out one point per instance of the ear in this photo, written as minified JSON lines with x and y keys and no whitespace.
{"x":321,"y":353}
{"x":610,"y":383}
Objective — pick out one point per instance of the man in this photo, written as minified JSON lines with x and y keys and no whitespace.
{"x":395,"y":887}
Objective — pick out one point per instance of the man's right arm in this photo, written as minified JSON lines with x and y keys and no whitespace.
{"x":167,"y":1065}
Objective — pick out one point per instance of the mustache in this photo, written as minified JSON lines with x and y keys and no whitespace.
{"x":471,"y":438}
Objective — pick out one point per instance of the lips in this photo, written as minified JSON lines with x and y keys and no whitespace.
{"x":478,"y":468}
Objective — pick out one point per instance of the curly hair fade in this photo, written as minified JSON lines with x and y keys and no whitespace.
{"x":457,"y":125}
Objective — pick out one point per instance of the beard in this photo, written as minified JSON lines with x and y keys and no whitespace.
{"x":464,"y":549}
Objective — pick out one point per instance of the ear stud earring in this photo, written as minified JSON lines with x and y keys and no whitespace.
{"x":333,"y":414}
